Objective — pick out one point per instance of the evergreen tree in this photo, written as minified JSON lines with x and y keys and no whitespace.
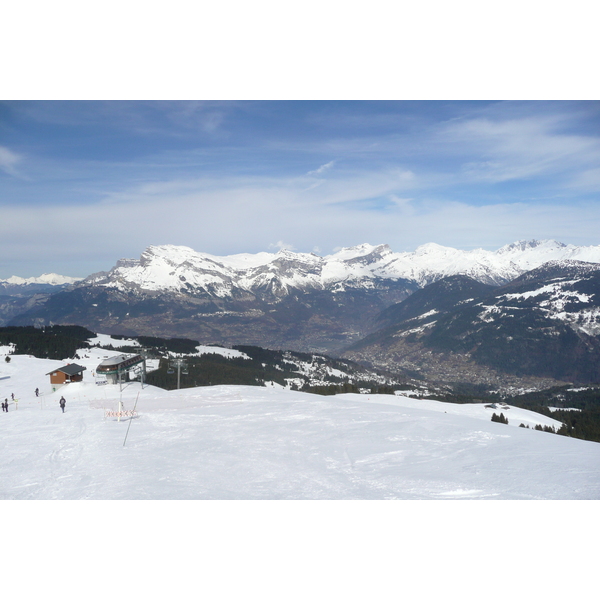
{"x":499,"y":419}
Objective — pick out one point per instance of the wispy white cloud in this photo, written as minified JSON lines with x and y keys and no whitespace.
{"x":322,"y":168}
{"x":404,"y":204}
{"x":587,"y":180}
{"x":281,"y":245}
{"x":9,"y":161}
{"x":518,"y":149}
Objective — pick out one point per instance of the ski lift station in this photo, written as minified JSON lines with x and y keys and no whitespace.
{"x":113,"y":368}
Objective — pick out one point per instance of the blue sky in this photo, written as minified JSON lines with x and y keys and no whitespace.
{"x":83,"y":183}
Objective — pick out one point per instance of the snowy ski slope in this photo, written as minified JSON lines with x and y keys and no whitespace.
{"x":237,"y":442}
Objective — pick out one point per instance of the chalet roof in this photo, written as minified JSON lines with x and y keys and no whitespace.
{"x":72,"y":369}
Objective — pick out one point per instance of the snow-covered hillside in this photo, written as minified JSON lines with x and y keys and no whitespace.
{"x":237,"y":442}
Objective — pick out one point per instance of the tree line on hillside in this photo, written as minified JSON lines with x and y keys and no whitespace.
{"x":582,"y":423}
{"x":54,"y":341}
{"x":176,"y":345}
{"x":577,"y":409}
{"x":214,"y":369}
{"x":261,"y":367}
{"x":208,"y":369}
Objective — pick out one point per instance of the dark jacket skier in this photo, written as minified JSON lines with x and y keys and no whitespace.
{"x":37,"y":392}
{"x":62,"y":403}
{"x":5,"y":405}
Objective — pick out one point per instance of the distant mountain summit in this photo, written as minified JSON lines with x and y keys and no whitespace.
{"x":287,"y":300}
{"x":45,"y":279}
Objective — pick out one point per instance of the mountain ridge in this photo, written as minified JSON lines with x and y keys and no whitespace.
{"x":282,"y":300}
{"x":424,"y":265}
{"x":171,"y":268}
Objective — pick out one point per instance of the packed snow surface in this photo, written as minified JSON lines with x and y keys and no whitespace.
{"x":238,"y":442}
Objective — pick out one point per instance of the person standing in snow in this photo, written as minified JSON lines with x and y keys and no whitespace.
{"x":5,"y":405}
{"x":37,"y":392}
{"x":62,"y":403}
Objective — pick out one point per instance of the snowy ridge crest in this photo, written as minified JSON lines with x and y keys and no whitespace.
{"x":45,"y":279}
{"x":172,"y":268}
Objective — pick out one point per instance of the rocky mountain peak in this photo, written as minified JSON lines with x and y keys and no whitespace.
{"x":431,"y":248}
{"x":524,"y":245}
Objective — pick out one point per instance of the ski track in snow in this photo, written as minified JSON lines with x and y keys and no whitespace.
{"x":238,"y":442}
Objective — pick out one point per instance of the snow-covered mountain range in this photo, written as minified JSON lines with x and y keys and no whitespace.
{"x":179,"y":268}
{"x":45,"y":279}
{"x":283,"y":300}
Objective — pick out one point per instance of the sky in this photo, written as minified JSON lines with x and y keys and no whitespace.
{"x":84,"y":183}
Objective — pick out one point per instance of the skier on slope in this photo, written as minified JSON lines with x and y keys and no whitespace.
{"x":62,"y":403}
{"x":37,"y":392}
{"x":5,"y":405}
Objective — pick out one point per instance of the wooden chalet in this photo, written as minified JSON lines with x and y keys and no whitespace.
{"x":67,"y":374}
